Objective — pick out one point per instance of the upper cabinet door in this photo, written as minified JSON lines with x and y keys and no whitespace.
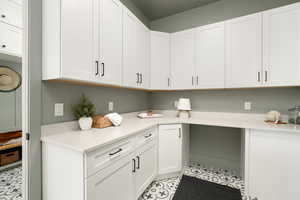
{"x":244,"y":51}
{"x":110,"y":62}
{"x":77,"y":39}
{"x":143,"y":39}
{"x":130,"y":69}
{"x":282,"y":46}
{"x":210,"y":56}
{"x":183,"y":59}
{"x":160,"y":61}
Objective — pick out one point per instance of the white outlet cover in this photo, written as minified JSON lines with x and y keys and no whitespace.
{"x":247,"y":105}
{"x":59,"y":110}
{"x":110,"y":106}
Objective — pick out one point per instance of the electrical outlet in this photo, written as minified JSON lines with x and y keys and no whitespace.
{"x":175,"y":104}
{"x":58,"y":109}
{"x":110,"y":106}
{"x":247,"y":105}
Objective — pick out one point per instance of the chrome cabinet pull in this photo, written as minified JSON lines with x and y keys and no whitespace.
{"x":97,"y":67}
{"x":103,"y":69}
{"x":266,"y":76}
{"x":192,"y":80}
{"x":134,"y":165}
{"x":138,"y":163}
{"x":3,"y":46}
{"x":3,"y":16}
{"x":147,"y":136}
{"x":116,"y":152}
{"x":258,"y":76}
{"x":197,"y":80}
{"x":141,"y":78}
{"x":168,"y":82}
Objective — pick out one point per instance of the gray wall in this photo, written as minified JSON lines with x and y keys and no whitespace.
{"x":132,"y":7}
{"x":216,"y":12}
{"x":216,"y":147}
{"x":263,"y":100}
{"x":11,"y":102}
{"x":124,"y":100}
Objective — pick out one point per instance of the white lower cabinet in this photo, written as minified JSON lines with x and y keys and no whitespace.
{"x":172,"y":148}
{"x":273,"y":165}
{"x":120,"y":171}
{"x":114,"y":182}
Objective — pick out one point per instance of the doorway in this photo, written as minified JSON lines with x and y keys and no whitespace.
{"x":13,"y":100}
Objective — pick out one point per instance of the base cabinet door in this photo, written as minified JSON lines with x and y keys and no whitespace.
{"x":282,"y":46}
{"x":273,"y":165}
{"x":244,"y":51}
{"x":169,"y":149}
{"x":113,"y":183}
{"x":146,"y":169}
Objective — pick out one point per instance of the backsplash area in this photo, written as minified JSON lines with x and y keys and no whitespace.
{"x":231,"y":100}
{"x":124,"y":100}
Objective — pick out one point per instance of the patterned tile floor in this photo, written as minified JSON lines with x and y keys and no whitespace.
{"x":165,"y":189}
{"x":11,"y":184}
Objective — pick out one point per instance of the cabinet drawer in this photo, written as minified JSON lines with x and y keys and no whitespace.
{"x":146,"y":137}
{"x":8,"y":158}
{"x":103,"y":157}
{"x":11,"y":12}
{"x":10,"y":39}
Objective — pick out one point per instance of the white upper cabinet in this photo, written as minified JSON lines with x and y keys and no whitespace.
{"x":77,"y":42}
{"x":282,"y":46}
{"x":11,"y":13}
{"x":244,"y":51}
{"x":68,"y":42}
{"x":160,"y":61}
{"x":183,"y":59}
{"x":143,"y":54}
{"x":210,"y":56}
{"x":131,"y":77}
{"x":109,"y":48}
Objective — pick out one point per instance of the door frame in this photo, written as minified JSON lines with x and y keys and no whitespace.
{"x":25,"y":104}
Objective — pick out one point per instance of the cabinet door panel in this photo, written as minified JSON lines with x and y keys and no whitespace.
{"x":170,"y":149}
{"x":114,"y":184}
{"x":282,"y":46}
{"x":110,"y":42}
{"x":160,"y":60}
{"x":77,"y":39}
{"x":210,"y":56}
{"x":142,"y":54}
{"x":147,"y":171}
{"x":130,"y":68}
{"x":274,"y":165}
{"x":183,"y":59}
{"x":11,"y":13}
{"x":244,"y":51}
{"x":10,"y":40}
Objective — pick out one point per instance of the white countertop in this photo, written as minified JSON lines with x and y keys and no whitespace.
{"x":68,"y":135}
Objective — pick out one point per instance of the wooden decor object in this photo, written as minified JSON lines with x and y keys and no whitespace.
{"x":99,"y":121}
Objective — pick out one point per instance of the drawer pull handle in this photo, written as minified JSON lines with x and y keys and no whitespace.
{"x":3,"y":16}
{"x":138,"y":165}
{"x":134,"y":166}
{"x":3,"y":46}
{"x":147,"y":136}
{"x":114,"y":153}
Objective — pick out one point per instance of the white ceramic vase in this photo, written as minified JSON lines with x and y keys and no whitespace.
{"x":85,"y":123}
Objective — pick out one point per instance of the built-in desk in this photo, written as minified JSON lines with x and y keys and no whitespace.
{"x":270,"y":152}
